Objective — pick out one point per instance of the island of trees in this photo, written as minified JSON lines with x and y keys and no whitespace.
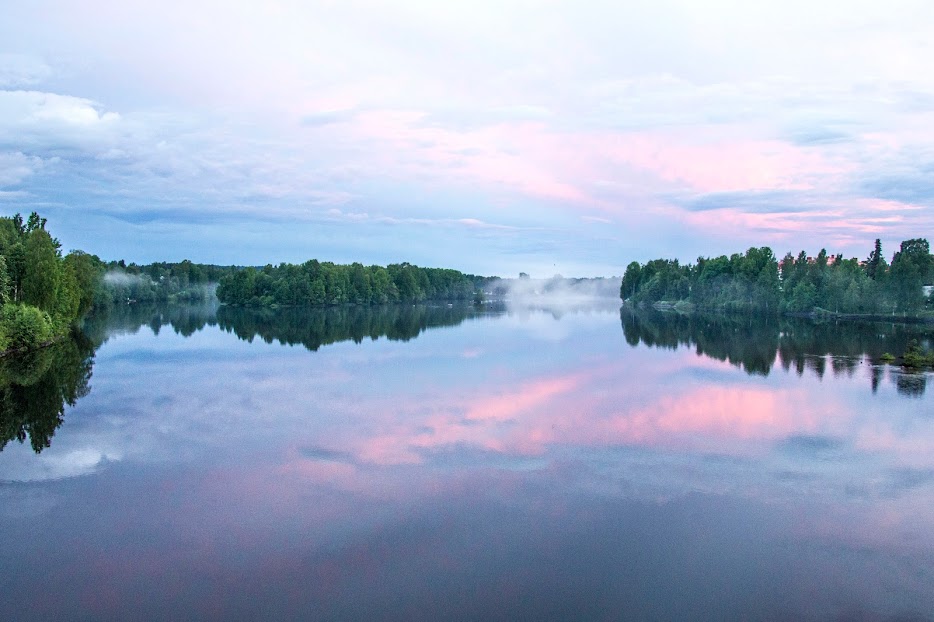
{"x":757,"y":282}
{"x":317,"y":283}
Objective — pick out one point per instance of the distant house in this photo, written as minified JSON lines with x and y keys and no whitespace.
{"x":927,"y":289}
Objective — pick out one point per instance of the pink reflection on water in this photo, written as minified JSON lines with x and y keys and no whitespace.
{"x":532,"y":395}
{"x":587,"y":408}
{"x":694,"y":404}
{"x":712,"y":412}
{"x":487,"y":422}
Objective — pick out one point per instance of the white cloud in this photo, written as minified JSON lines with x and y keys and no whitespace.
{"x":16,"y":167}
{"x":17,"y":70}
{"x":47,"y":122}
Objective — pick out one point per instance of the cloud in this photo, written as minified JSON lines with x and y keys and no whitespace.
{"x":16,"y":167}
{"x":17,"y":70}
{"x":775,"y":201}
{"x":337,"y":214}
{"x":481,"y":116}
{"x":915,"y":186}
{"x":473,"y":118}
{"x":479,"y":224}
{"x":807,"y":136}
{"x":327,"y":117}
{"x":469,"y":223}
{"x":908,"y":480}
{"x":51,"y":124}
{"x":326,"y":455}
{"x":12,"y":194}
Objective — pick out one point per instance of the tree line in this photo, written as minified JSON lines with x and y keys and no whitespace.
{"x":757,"y":282}
{"x":43,"y":292}
{"x":315,"y":283}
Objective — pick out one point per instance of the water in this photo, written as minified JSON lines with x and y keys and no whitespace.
{"x":450,"y":463}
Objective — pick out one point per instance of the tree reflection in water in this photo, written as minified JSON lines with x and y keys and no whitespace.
{"x":754,"y":343}
{"x":35,"y":388}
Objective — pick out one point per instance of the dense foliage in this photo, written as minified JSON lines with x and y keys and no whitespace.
{"x":323,"y":283}
{"x":41,"y":291}
{"x":757,"y":282}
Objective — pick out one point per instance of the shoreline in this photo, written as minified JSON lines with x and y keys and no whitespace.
{"x":688,"y":308}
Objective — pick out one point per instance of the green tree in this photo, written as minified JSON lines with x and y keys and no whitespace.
{"x":631,"y":280}
{"x":41,"y":270}
{"x":87,"y":271}
{"x":4,"y":282}
{"x":911,"y":266}
{"x":875,"y":264}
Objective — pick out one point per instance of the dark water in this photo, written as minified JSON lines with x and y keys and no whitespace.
{"x":449,"y":463}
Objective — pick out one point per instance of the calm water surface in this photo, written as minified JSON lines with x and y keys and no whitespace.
{"x":426,"y":463}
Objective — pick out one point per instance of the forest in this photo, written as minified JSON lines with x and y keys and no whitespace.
{"x":757,"y":282}
{"x":324,"y":283}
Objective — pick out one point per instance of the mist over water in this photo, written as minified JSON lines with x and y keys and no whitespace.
{"x":119,"y":277}
{"x":556,"y":294}
{"x":126,"y":289}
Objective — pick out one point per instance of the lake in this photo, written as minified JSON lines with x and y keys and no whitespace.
{"x":195,"y":462}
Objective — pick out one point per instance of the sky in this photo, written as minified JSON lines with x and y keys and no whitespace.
{"x":489,"y":136}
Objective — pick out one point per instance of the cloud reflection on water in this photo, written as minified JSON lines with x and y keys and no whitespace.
{"x":403,"y":473}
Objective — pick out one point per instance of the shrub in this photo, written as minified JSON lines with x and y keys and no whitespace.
{"x":24,"y":326}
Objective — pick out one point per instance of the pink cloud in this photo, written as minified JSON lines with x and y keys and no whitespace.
{"x":706,"y":160}
{"x":499,"y":156}
{"x":534,"y":159}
